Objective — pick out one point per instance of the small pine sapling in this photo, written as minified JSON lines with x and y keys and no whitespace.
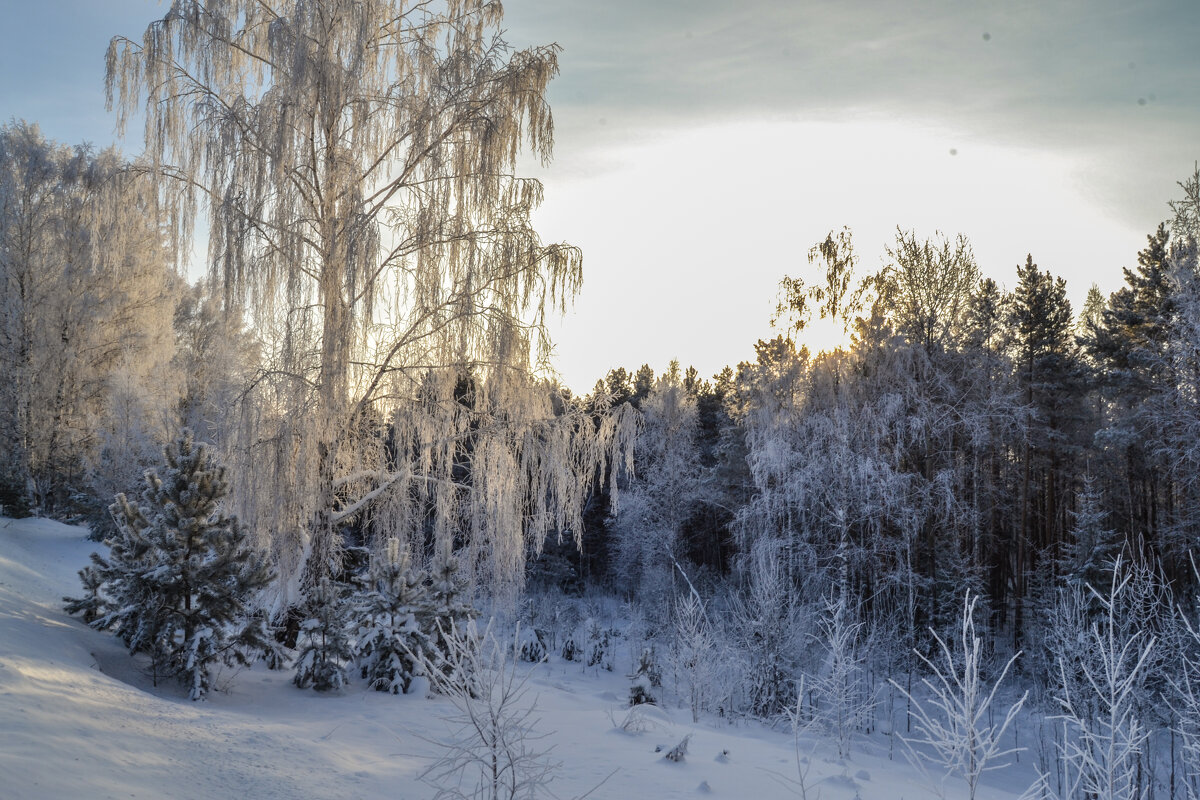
{"x":93,"y":578}
{"x":533,"y":646}
{"x":445,"y":611}
{"x":390,"y":639}
{"x":180,"y":573}
{"x":571,"y":651}
{"x":646,"y":676}
{"x":600,"y":646}
{"x":327,"y":646}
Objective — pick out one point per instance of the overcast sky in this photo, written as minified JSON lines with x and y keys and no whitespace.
{"x":702,"y":147}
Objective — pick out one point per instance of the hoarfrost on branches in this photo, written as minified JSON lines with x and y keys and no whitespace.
{"x":357,"y":162}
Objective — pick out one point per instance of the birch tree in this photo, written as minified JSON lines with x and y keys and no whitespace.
{"x":85,"y":303}
{"x":356,"y":160}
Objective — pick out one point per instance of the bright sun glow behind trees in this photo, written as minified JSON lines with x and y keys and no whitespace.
{"x":723,"y":210}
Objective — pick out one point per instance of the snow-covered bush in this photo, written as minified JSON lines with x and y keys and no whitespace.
{"x":647,"y":676}
{"x":766,"y":631}
{"x":1101,"y":686}
{"x":533,"y":646}
{"x":494,"y":752}
{"x":679,"y":752}
{"x":599,"y":645}
{"x":693,"y":655}
{"x":843,"y":701}
{"x":180,"y":573}
{"x":953,"y":724}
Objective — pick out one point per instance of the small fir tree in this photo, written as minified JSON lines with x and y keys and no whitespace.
{"x":327,"y":647}
{"x":391,"y":641}
{"x":179,"y":574}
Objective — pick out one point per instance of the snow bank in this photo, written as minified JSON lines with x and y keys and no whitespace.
{"x":79,"y":719}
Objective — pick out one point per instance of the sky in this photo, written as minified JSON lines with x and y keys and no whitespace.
{"x":703,"y":147}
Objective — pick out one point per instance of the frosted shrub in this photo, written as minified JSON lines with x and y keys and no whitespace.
{"x":766,"y":624}
{"x":954,"y":723}
{"x":693,"y":657}
{"x":843,"y":700}
{"x":1101,"y":691}
{"x":494,"y":752}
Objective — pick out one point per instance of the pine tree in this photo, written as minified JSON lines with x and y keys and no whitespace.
{"x":327,"y":646}
{"x":391,"y":641}
{"x":1130,"y":346}
{"x":646,"y":677}
{"x":446,"y":611}
{"x":1052,"y":381}
{"x":180,"y":573}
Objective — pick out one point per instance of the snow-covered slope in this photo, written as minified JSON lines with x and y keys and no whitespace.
{"x":79,"y":719}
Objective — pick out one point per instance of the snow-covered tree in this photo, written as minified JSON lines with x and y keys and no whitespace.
{"x":646,"y":678}
{"x":841,"y":697}
{"x":357,"y":161}
{"x":1093,"y":548}
{"x":1103,"y":669}
{"x":85,"y":300}
{"x":326,"y":647}
{"x":664,"y":493}
{"x":694,"y":658}
{"x":766,"y":630}
{"x":495,"y":751}
{"x":391,"y":640}
{"x":216,"y":358}
{"x":181,"y":572}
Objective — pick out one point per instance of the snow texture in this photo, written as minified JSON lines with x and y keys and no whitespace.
{"x":82,"y":720}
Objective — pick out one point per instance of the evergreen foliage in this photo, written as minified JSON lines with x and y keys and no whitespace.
{"x":647,"y":676}
{"x":393,"y":636}
{"x":326,"y":646}
{"x":180,"y":573}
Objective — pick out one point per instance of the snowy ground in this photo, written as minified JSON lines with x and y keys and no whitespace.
{"x":79,"y":719}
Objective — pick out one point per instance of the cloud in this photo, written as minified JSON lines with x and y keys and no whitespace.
{"x":1111,"y":81}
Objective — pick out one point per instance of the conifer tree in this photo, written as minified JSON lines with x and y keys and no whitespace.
{"x":1052,"y":381}
{"x":391,"y":640}
{"x":327,"y":646}
{"x":180,"y":572}
{"x":1093,"y":548}
{"x":447,"y":611}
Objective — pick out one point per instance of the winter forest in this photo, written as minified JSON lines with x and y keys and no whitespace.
{"x":290,"y":366}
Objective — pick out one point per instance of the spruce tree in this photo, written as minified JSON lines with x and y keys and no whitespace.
{"x":1094,"y":548}
{"x":180,"y":573}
